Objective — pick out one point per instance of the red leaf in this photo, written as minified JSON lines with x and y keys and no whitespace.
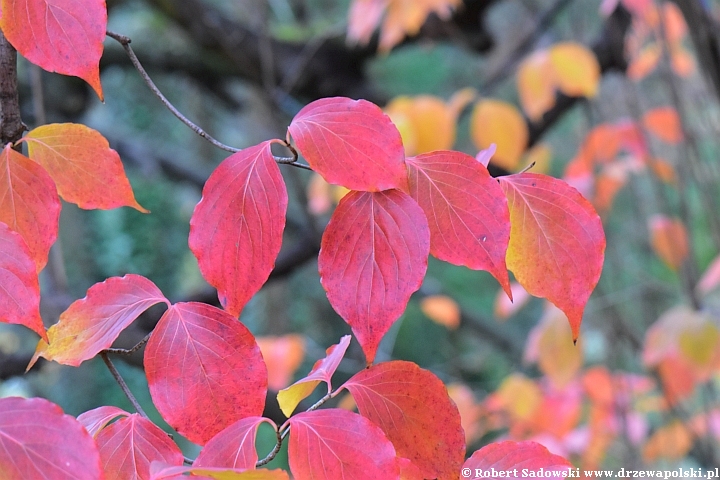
{"x":61,"y":36}
{"x":38,"y":441}
{"x":373,"y":256}
{"x":466,"y":210}
{"x":96,"y":419}
{"x":289,"y":398}
{"x":128,"y":447}
{"x":204,"y":370}
{"x":236,"y":229}
{"x":93,"y":323}
{"x":324,"y":445}
{"x":413,"y":408}
{"x":19,"y":287}
{"x":498,"y":457}
{"x":351,"y":143}
{"x":85,"y":169}
{"x":557,"y":243}
{"x":29,"y":204}
{"x":233,"y":447}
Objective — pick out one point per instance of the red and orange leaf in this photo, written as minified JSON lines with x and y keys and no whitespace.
{"x":665,"y":123}
{"x":37,"y":440}
{"x":442,"y":310}
{"x":162,"y":471}
{"x":500,"y":123}
{"x":324,"y":445}
{"x":536,"y":85}
{"x":233,"y":447}
{"x":322,"y":371}
{"x":85,"y":169}
{"x":93,"y":323}
{"x":466,"y":210}
{"x":236,"y":229}
{"x":351,"y":143}
{"x":283,"y":356}
{"x":577,"y":71}
{"x":509,"y":455}
{"x":669,"y":240}
{"x":373,"y":256}
{"x":557,"y":243}
{"x":204,"y":370}
{"x":413,"y":408}
{"x":96,"y":419}
{"x":29,"y":204}
{"x":128,"y":447}
{"x":63,"y":36}
{"x":19,"y":287}
{"x":644,"y":62}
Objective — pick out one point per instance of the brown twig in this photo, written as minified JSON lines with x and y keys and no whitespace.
{"x":123,"y":385}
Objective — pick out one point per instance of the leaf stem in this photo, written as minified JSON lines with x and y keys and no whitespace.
{"x":125,"y":42}
{"x":532,"y":164}
{"x":130,"y":351}
{"x":279,"y":435}
{"x":121,"y":382}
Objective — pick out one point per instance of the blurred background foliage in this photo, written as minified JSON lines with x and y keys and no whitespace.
{"x":244,"y":93}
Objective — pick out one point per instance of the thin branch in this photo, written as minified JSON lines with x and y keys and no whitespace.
{"x":130,"y":351}
{"x":279,"y":435}
{"x":123,"y":385}
{"x":125,"y":42}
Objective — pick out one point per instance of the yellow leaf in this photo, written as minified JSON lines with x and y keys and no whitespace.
{"x":425,"y":123}
{"x":494,"y":121}
{"x":405,"y":17}
{"x":441,"y":309}
{"x":519,"y":396}
{"x":289,"y":398}
{"x":536,"y":85}
{"x":577,"y":71}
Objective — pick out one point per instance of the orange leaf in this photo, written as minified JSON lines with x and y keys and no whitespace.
{"x":283,"y":356}
{"x":674,"y":23}
{"x":577,"y":71}
{"x":405,"y":17}
{"x":550,"y":345}
{"x":671,"y":442}
{"x":431,"y":123}
{"x":682,"y":61}
{"x":85,"y":169}
{"x":602,"y":143}
{"x":557,"y":243}
{"x":665,"y":123}
{"x":441,"y":309}
{"x":500,"y":123}
{"x":29,"y":204}
{"x":536,"y":84}
{"x":669,"y":240}
{"x":644,"y":62}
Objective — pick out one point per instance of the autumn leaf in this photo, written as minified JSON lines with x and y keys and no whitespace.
{"x":519,"y":396}
{"x":93,"y":323}
{"x":670,"y":442}
{"x":237,"y":227}
{"x":557,"y":243}
{"x":233,"y":447}
{"x":504,"y":307}
{"x":509,"y":455}
{"x":576,"y":69}
{"x":430,"y":119}
{"x":669,"y":240}
{"x":289,"y":398}
{"x":536,"y":84}
{"x":283,"y":355}
{"x":644,"y":62}
{"x":664,"y":122}
{"x":442,"y":310}
{"x":324,"y":445}
{"x":204,"y":370}
{"x":373,"y":256}
{"x":350,"y":143}
{"x":85,"y":169}
{"x":60,"y":36}
{"x":96,"y":419}
{"x":412,"y":407}
{"x":128,"y":447}
{"x":466,"y":211}
{"x":56,"y":446}
{"x":501,"y":123}
{"x":162,"y":471}
{"x":29,"y":204}
{"x":19,"y":287}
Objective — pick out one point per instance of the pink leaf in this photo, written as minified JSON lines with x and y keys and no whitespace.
{"x":236,"y":229}
{"x":373,"y":256}
{"x":204,"y":370}
{"x":96,"y":419}
{"x":351,"y":143}
{"x":233,"y":447}
{"x":516,"y":457}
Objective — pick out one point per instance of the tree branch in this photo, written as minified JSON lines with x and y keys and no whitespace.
{"x":11,"y":125}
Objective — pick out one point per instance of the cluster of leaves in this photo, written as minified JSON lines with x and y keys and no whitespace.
{"x":204,"y":368}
